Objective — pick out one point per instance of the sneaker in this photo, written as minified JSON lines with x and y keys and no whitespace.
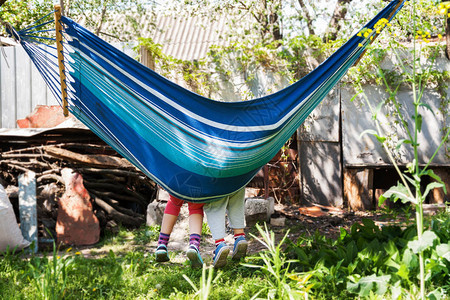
{"x":221,"y":255}
{"x":161,"y":254}
{"x":240,"y":248}
{"x":194,"y":256}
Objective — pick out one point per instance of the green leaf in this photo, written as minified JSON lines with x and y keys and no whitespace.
{"x":401,"y":142}
{"x":377,"y":110}
{"x":398,"y":192}
{"x":419,"y":122}
{"x":381,"y":139}
{"x":403,"y":272}
{"x":425,"y":242}
{"x":431,"y":186}
{"x":443,"y":250}
{"x":356,"y":95}
{"x":426,"y":105}
{"x":366,"y":284}
{"x":436,"y":177}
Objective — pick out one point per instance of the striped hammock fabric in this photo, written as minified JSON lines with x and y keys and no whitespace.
{"x":198,"y":149}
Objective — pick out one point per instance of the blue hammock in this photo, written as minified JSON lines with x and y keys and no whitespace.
{"x":197,"y":148}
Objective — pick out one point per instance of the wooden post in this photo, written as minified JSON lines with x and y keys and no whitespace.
{"x":27,"y":207}
{"x":59,"y":47}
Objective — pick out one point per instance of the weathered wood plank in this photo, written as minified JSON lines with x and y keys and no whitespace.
{"x":358,"y":189}
{"x":104,"y":161}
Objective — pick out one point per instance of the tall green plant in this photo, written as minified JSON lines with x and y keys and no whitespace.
{"x":275,"y":268}
{"x":409,"y":190}
{"x":49,"y":276}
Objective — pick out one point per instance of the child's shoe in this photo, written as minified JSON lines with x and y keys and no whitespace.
{"x":194,"y":256}
{"x":240,"y":248}
{"x":161,"y":254}
{"x":221,"y":255}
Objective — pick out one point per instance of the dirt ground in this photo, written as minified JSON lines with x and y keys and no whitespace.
{"x":298,"y":224}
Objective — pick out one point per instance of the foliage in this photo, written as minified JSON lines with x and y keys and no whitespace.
{"x":275,"y":268}
{"x":368,"y":260}
{"x":49,"y":276}
{"x":23,"y":13}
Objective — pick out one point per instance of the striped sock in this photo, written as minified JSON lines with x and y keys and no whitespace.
{"x":238,"y":235}
{"x":194,"y":239}
{"x":163,"y":239}
{"x":217,"y":242}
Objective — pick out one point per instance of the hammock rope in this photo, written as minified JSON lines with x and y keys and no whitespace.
{"x":197,"y":148}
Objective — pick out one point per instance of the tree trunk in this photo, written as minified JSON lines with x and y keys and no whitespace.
{"x":307,"y":17}
{"x":340,"y":11}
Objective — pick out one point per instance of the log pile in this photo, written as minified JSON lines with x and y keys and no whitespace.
{"x":119,"y":191}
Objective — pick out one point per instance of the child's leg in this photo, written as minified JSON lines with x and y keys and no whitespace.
{"x":236,"y":215}
{"x":215,"y":213}
{"x":236,"y":211}
{"x":169,"y":218}
{"x":195,"y":229}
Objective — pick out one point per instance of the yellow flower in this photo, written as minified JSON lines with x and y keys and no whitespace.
{"x":94,"y":289}
{"x":359,"y":34}
{"x":68,"y":250}
{"x":442,"y":11}
{"x":448,"y":15}
{"x":426,"y":41}
{"x":366,"y":35}
{"x":360,"y":45}
{"x":440,"y":36}
{"x":419,"y":31}
{"x":371,"y":38}
{"x":434,"y":28}
{"x":78,"y":253}
{"x":389,"y":24}
{"x":58,"y":257}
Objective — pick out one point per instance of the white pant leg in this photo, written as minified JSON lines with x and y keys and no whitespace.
{"x":236,"y":213}
{"x":215,"y":214}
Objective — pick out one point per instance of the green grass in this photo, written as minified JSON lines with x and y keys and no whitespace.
{"x":121,"y":267}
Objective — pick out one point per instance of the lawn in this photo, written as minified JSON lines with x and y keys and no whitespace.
{"x":366,"y":260}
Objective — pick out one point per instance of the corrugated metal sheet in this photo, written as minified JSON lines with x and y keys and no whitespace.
{"x":21,"y":86}
{"x":186,"y":38}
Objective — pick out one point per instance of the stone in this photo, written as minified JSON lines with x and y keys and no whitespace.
{"x":258,"y":209}
{"x":76,"y":223}
{"x":155,"y":212}
{"x":278,"y":221}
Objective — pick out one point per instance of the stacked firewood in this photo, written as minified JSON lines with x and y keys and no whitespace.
{"x":120,"y":193}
